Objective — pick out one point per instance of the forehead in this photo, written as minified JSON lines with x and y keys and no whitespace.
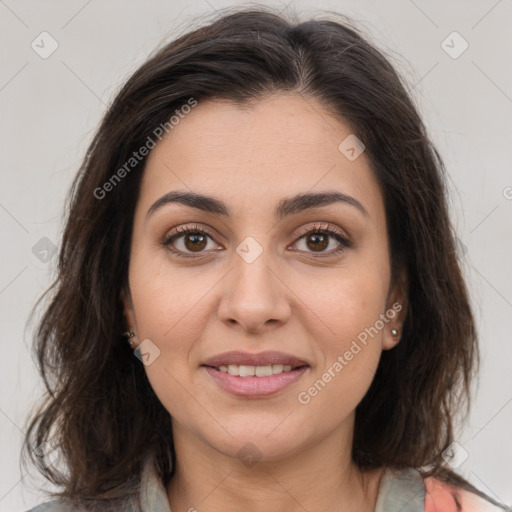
{"x":247,"y":155}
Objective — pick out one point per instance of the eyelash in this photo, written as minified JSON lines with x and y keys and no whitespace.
{"x":316,"y":229}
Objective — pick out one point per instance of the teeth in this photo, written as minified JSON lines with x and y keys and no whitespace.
{"x":277,"y":368}
{"x":263,"y":371}
{"x":243,"y":370}
{"x":246,"y":371}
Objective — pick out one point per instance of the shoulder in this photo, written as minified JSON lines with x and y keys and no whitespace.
{"x":51,"y":506}
{"x":411,"y":490}
{"x":441,"y":496}
{"x":60,"y":505}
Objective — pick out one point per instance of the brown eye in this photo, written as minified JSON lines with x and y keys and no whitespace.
{"x":187,"y":240}
{"x":317,"y":241}
{"x":192,"y":241}
{"x":195,"y":241}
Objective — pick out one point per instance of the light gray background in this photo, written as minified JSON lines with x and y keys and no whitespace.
{"x":50,"y":108}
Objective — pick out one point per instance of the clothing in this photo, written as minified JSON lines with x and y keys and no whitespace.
{"x":399,"y":491}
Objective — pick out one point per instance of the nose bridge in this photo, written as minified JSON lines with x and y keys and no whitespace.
{"x":253,"y":294}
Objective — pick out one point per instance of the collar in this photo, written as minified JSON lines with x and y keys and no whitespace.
{"x":401,"y":489}
{"x":153,"y":495}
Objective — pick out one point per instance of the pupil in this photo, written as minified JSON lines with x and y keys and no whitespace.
{"x":318,"y":237}
{"x":194,"y":239}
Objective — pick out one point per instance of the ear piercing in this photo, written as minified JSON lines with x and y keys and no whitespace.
{"x":130,"y":335}
{"x":394,"y":333}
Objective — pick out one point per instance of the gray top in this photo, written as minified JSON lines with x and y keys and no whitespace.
{"x":399,"y":491}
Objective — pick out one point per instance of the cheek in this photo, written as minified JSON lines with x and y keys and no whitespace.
{"x":170,"y":309}
{"x":166,"y":297}
{"x":347,"y":303}
{"x":348,"y":338}
{"x":348,"y":358}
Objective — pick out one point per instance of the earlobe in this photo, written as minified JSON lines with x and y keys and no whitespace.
{"x":128,"y":311}
{"x":396,"y":312}
{"x":391,"y":339}
{"x":130,"y":333}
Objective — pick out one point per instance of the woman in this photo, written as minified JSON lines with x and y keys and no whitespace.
{"x":261,"y":220}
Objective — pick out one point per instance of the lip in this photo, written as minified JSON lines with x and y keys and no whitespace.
{"x":255,"y":387}
{"x":250,"y":359}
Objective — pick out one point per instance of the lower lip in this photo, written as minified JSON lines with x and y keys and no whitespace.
{"x":255,"y":387}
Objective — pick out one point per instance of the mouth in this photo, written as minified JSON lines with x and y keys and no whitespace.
{"x":242,"y":370}
{"x":255,"y":375}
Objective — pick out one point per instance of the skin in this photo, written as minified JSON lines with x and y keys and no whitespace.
{"x":293,"y":298}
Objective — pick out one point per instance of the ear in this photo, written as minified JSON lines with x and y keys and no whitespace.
{"x":128,"y":310}
{"x":396,"y":311}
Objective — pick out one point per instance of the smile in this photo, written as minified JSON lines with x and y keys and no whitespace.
{"x":255,"y":381}
{"x":241,"y":370}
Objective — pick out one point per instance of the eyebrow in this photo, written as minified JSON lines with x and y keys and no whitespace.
{"x":286,"y":207}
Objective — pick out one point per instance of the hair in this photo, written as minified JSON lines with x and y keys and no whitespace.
{"x":100,"y":412}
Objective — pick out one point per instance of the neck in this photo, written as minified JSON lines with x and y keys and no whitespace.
{"x":321,"y":477}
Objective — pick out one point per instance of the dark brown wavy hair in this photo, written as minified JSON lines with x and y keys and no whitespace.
{"x":100,"y":413}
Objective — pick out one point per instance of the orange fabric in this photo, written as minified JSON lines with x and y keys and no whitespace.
{"x":440,"y":497}
{"x":443,"y":497}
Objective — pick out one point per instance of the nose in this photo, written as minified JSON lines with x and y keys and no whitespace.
{"x":254,"y":298}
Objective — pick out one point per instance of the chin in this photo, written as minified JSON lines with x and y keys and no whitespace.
{"x":264,"y":441}
{"x":252,"y":449}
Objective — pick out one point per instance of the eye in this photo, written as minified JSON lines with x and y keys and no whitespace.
{"x":184,"y":241}
{"x":192,"y":241}
{"x":318,"y":239}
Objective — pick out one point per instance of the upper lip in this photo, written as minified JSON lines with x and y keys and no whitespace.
{"x":250,"y":359}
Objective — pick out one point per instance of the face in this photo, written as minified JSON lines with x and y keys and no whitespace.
{"x":253,"y":281}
